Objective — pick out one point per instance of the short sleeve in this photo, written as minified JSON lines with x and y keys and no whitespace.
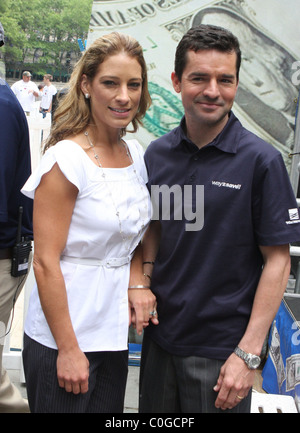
{"x":137,"y":154}
{"x":69,"y":157}
{"x":275,"y":210}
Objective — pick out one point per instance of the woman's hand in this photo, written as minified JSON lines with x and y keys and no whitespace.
{"x":73,"y":371}
{"x":142,"y":308}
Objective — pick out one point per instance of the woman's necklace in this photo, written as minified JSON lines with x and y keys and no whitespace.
{"x":145,"y":202}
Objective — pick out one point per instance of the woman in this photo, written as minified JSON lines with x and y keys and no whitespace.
{"x":91,"y":209}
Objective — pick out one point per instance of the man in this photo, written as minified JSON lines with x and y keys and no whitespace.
{"x":218,"y":277}
{"x":48,"y":93}
{"x":15,"y":168}
{"x":26,"y":91}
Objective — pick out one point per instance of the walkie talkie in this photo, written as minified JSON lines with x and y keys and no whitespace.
{"x":21,"y":251}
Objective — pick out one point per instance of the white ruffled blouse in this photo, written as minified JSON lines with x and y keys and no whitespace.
{"x":95,"y":261}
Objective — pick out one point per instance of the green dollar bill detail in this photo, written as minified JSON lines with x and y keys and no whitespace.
{"x":165,"y":112}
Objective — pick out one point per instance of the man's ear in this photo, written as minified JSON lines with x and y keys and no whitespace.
{"x":176,"y":82}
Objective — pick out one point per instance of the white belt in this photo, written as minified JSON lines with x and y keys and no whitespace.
{"x":109,"y":262}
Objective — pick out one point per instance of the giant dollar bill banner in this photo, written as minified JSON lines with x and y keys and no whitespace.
{"x":270,"y":41}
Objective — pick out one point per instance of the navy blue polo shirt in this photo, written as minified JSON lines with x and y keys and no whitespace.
{"x":15,"y":168}
{"x":205,"y":279}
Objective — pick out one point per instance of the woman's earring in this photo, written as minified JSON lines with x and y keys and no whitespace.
{"x":87,"y":96}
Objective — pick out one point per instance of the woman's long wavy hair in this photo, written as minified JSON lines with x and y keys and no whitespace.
{"x":73,"y":113}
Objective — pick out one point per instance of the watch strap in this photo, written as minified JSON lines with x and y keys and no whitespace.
{"x":251,"y":360}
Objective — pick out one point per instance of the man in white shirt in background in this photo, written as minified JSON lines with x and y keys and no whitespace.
{"x":47,"y":96}
{"x":26,"y":91}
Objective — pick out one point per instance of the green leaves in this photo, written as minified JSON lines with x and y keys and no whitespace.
{"x":42,"y":34}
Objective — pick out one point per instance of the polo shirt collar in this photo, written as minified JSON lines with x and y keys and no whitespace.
{"x":227,"y":140}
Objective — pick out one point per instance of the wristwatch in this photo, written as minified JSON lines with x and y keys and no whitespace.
{"x":252,"y":361}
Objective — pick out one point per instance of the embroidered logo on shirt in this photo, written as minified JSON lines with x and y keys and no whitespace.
{"x":294,"y":216}
{"x":226,"y":185}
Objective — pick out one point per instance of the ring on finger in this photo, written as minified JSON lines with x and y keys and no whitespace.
{"x":239,"y":397}
{"x":153,"y":313}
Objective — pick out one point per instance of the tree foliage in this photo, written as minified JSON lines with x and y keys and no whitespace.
{"x":41,"y":35}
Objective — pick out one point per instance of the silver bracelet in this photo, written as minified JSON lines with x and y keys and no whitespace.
{"x":139,"y":286}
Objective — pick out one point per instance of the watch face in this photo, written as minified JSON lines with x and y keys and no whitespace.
{"x":254,"y":362}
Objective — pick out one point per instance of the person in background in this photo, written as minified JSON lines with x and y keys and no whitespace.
{"x":220,"y":270}
{"x":91,"y":209}
{"x":40,"y":87}
{"x":15,"y":167}
{"x":48,"y":94}
{"x":26,"y":91}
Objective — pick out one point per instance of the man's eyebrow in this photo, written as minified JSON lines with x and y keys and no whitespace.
{"x":204,"y":74}
{"x":198,"y":74}
{"x":229,"y":76}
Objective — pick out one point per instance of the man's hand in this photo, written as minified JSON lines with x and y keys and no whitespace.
{"x":234,"y":382}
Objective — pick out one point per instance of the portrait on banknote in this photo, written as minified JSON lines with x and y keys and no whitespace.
{"x":267,"y":97}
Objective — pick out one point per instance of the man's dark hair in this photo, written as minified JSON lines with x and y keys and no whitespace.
{"x":206,"y":37}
